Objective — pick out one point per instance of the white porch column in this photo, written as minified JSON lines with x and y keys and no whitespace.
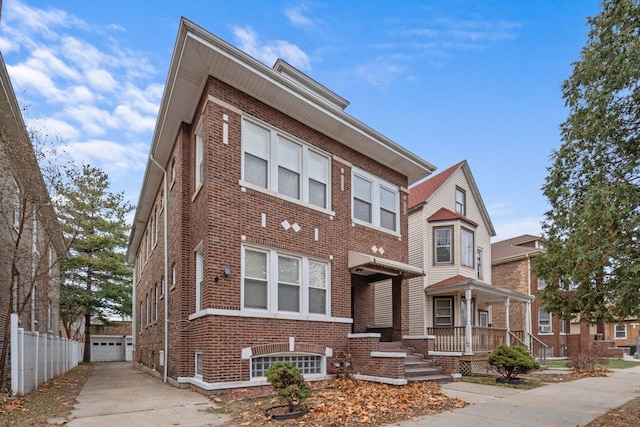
{"x":527,"y":325}
{"x":468,"y":329}
{"x":507,"y":338}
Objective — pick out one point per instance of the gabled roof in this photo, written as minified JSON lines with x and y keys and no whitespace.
{"x":444,"y":214}
{"x":420,"y":194}
{"x":514,"y":249}
{"x":199,"y":54}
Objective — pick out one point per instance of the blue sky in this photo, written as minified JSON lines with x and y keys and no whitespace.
{"x":448,"y":80}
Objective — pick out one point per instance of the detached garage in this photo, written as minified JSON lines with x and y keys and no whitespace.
{"x":110,"y":348}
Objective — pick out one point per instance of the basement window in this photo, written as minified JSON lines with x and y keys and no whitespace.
{"x":306,"y":364}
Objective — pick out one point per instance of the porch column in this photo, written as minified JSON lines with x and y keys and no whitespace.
{"x":527,"y":325}
{"x":468,"y":329}
{"x":400,"y":307}
{"x":507,"y":338}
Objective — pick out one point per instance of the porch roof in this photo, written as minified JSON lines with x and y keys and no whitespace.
{"x":484,"y":291}
{"x":369,"y":264}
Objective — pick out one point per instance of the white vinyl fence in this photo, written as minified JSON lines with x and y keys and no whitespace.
{"x":36,"y":358}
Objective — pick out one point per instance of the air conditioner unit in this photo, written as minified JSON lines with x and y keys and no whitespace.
{"x":544,"y":329}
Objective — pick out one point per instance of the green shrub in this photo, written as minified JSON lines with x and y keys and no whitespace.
{"x":511,"y":361}
{"x":288,"y":383}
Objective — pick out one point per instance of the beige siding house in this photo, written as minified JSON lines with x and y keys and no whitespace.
{"x":450,"y":239}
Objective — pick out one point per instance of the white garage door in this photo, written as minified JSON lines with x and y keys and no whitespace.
{"x":106,"y":349}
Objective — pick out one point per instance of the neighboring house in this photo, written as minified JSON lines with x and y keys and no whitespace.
{"x":30,"y":237}
{"x":452,"y":306}
{"x":511,"y":264}
{"x":624,"y":334}
{"x":112,"y":342}
{"x":266,"y":211}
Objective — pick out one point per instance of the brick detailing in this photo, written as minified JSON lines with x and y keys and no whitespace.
{"x":283,"y":347}
{"x":449,"y":364}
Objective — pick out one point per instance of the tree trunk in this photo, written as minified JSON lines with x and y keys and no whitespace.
{"x":87,"y":338}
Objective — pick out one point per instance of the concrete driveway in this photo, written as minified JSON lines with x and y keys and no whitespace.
{"x":118,"y":395}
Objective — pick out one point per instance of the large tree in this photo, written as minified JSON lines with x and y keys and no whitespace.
{"x":592,"y":230}
{"x":96,"y":276}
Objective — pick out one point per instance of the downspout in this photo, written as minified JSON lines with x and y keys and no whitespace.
{"x":166,"y":269}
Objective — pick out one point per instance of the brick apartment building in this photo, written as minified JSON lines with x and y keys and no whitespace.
{"x":511,"y":265}
{"x":266,"y":211}
{"x":30,"y":237}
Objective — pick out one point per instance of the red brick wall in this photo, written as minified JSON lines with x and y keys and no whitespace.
{"x":220,"y":214}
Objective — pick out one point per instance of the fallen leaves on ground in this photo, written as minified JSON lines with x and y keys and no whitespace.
{"x":53,"y":399}
{"x":343,"y":402}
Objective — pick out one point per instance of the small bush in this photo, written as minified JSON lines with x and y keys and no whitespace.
{"x":288,"y":383}
{"x":511,"y":361}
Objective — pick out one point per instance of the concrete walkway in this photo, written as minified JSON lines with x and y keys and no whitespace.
{"x":559,"y":405}
{"x":118,"y":395}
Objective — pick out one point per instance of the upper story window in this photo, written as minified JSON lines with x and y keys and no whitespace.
{"x":279,"y":282}
{"x":466,"y":247}
{"x":284,"y":165}
{"x":479,"y":263}
{"x":199,"y":149}
{"x":375,"y":202}
{"x":541,"y":283}
{"x":442,"y":244}
{"x":461,"y":201}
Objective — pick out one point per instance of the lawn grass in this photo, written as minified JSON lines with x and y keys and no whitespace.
{"x":528,"y":384}
{"x":604,"y":364}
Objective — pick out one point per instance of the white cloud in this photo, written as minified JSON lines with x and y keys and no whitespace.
{"x":506,"y":229}
{"x":270,"y":52}
{"x":114,"y":158}
{"x":380,"y":72}
{"x":297,"y":18}
{"x":101,"y":80}
{"x":58,"y":129}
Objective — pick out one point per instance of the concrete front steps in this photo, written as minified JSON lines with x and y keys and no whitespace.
{"x":416,"y":368}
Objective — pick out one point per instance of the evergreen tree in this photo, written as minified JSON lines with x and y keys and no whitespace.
{"x":592,"y":230}
{"x":95,"y":274}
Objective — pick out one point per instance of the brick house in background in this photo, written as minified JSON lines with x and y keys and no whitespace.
{"x":30,"y":237}
{"x":452,"y":305}
{"x":265,"y":213}
{"x":511,"y":265}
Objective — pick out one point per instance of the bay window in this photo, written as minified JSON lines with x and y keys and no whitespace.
{"x":466,"y":247}
{"x":442,"y":245}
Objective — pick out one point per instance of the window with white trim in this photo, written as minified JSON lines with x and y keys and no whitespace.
{"x":306,"y":364}
{"x":376,"y":202}
{"x":443,"y":311}
{"x":284,"y":282}
{"x":479,"y":263}
{"x":544,"y":321}
{"x":198,"y":365}
{"x":199,"y":151}
{"x":442,"y":245}
{"x":621,"y":331}
{"x":466,"y":247}
{"x":541,"y":283}
{"x":284,"y":165}
{"x":461,"y":198}
{"x":199,"y":276}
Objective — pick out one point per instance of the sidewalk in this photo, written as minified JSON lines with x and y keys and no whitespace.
{"x":118,"y":395}
{"x":567,"y":404}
